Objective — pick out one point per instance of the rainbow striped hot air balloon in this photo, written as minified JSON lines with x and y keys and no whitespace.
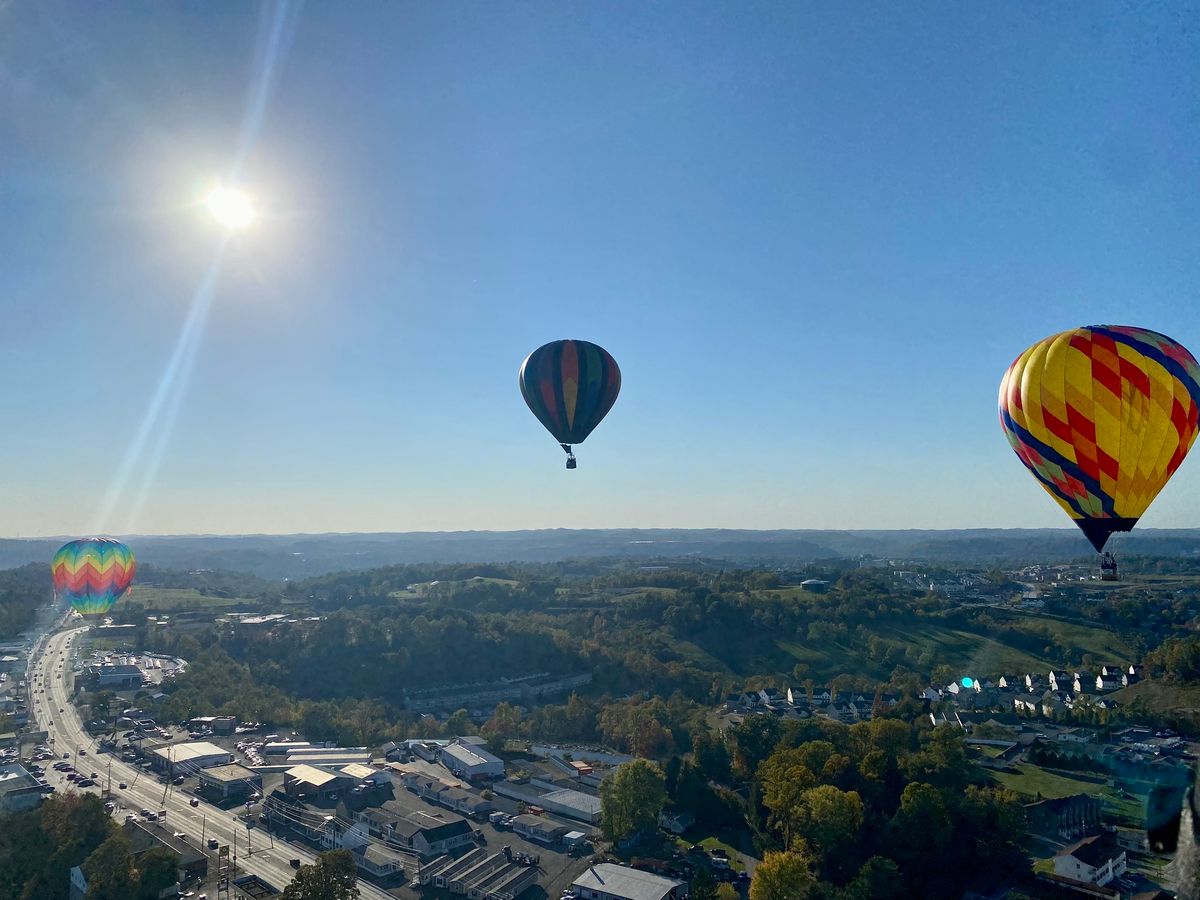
{"x":570,"y":386}
{"x":93,"y":573}
{"x":1102,"y":416}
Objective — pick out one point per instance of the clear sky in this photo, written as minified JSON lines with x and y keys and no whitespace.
{"x":812,"y":234}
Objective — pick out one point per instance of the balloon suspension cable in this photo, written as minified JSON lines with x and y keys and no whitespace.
{"x":570,"y":455}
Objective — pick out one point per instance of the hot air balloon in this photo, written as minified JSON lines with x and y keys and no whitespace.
{"x":93,"y":573}
{"x":1102,"y":416}
{"x":570,"y":386}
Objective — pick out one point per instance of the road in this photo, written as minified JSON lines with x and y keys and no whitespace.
{"x":205,"y":821}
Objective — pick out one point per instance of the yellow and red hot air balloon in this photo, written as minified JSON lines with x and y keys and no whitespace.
{"x":93,"y":573}
{"x":1102,"y":416}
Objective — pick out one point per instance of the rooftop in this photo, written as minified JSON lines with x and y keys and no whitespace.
{"x":311,"y":775}
{"x":232,"y":772}
{"x":181,"y":753}
{"x":575,"y":800}
{"x":472,"y":755}
{"x":1094,"y":851}
{"x":15,"y":778}
{"x":626,"y":882}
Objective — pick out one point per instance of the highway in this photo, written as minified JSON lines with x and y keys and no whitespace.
{"x":198,"y":823}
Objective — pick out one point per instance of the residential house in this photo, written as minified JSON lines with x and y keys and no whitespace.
{"x":1128,"y":678}
{"x":1012,"y":682}
{"x":1083,"y":682}
{"x":1061,"y":681}
{"x":1106,"y":683}
{"x":1093,"y":860}
{"x":675,"y":822}
{"x":1026,"y":703}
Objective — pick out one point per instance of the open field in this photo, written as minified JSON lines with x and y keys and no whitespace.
{"x":1182,"y":700}
{"x":1033,"y":780}
{"x":179,"y":599}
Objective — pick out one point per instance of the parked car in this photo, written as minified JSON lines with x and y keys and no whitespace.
{"x":213,"y":843}
{"x":122,"y":785}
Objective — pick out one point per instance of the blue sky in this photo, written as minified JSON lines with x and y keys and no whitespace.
{"x":812,"y":235}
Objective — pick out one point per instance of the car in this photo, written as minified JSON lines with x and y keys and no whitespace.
{"x":194,"y":802}
{"x":122,"y":785}
{"x":178,"y":780}
{"x":86,"y":782}
{"x":213,"y":843}
{"x":66,"y":756}
{"x":294,"y":863}
{"x":153,"y":817}
{"x":144,"y":812}
{"x":72,"y":776}
{"x":82,"y":752}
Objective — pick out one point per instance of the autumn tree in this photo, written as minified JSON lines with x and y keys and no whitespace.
{"x":783,"y":876}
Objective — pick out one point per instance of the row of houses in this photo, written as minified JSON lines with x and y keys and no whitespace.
{"x":797,"y":704}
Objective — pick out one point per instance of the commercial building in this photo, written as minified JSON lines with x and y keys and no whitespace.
{"x":537,"y":828}
{"x":329,"y":756}
{"x":316,"y":783}
{"x":115,"y":677}
{"x":185,"y":759}
{"x":572,"y":804}
{"x":471,"y":761}
{"x":432,"y":835}
{"x":606,"y":881}
{"x":19,"y":790}
{"x":231,"y":782}
{"x":190,"y":861}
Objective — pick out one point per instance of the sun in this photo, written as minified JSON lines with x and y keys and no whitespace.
{"x":231,"y":208}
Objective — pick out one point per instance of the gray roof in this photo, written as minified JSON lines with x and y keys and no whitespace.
{"x":622,"y":881}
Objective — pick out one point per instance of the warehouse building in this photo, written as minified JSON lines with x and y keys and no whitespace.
{"x":329,"y":756}
{"x":606,"y":881}
{"x":185,"y":759}
{"x":537,"y":828}
{"x":572,"y":804}
{"x":232,"y":782}
{"x":471,"y":761}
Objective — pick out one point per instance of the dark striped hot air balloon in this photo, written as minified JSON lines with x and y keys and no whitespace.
{"x":93,"y":573}
{"x":570,"y":386}
{"x":1102,"y":416}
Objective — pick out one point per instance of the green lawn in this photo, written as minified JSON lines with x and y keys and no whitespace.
{"x":1180,"y":699}
{"x":1033,"y":780}
{"x":1101,"y":642}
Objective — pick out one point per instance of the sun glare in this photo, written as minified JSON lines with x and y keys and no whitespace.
{"x":232,"y":208}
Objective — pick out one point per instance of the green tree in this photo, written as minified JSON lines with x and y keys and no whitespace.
{"x":712,"y":757}
{"x":110,"y":872}
{"x":783,"y":876}
{"x":726,"y":891}
{"x":878,"y":879}
{"x":458,"y":724}
{"x":334,"y":876}
{"x":631,"y":800}
{"x":784,"y":778}
{"x":703,"y":885}
{"x":830,"y":821}
{"x":157,"y":870}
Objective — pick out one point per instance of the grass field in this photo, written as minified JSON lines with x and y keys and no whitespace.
{"x":973,"y":654}
{"x":1033,"y":780}
{"x":180,"y":599}
{"x":1178,"y":699}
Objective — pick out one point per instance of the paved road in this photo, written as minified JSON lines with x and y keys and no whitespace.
{"x":143,"y":791}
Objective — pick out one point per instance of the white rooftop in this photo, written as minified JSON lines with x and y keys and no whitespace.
{"x":574,"y":799}
{"x":470,"y":756}
{"x":622,"y":881}
{"x":182,"y":753}
{"x":311,"y":775}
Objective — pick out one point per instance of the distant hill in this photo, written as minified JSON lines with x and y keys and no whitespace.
{"x":303,"y":555}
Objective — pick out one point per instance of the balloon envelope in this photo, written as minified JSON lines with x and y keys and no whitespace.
{"x":1102,"y":416}
{"x":570,"y":386}
{"x":93,"y":573}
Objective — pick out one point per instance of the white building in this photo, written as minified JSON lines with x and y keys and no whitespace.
{"x":471,"y":761}
{"x":572,"y":804}
{"x":606,"y":881}
{"x":186,"y":758}
{"x":1095,"y":860}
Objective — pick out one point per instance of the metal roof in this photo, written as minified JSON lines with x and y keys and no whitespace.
{"x":622,"y":881}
